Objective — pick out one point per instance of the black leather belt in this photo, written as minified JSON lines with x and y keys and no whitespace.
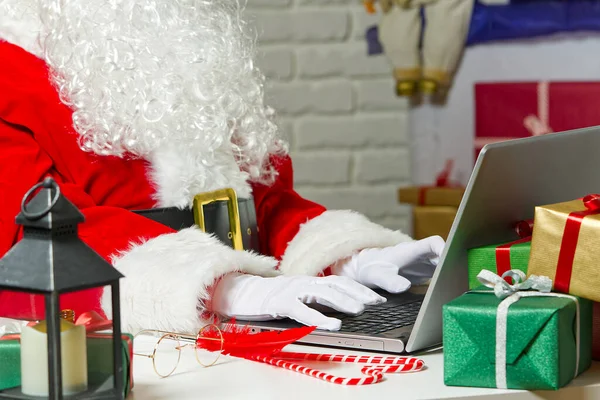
{"x":216,"y":221}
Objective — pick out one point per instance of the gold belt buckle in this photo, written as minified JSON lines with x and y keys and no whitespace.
{"x":229,"y":195}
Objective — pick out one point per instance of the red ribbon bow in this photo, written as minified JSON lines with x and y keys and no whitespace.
{"x":524,"y":228}
{"x":592,"y":202}
{"x":92,"y":321}
{"x":442,"y":180}
{"x":566,"y":256}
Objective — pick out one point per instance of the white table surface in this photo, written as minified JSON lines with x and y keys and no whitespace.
{"x":233,"y":378}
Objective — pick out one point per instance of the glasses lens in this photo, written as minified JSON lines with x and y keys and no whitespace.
{"x":209,"y":345}
{"x":167,"y":355}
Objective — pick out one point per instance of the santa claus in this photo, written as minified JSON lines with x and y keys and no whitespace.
{"x":143,"y":109}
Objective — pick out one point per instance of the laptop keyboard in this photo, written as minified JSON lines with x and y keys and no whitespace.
{"x":382,"y":318}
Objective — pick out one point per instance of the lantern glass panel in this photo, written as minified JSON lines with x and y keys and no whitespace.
{"x":23,"y":345}
{"x":100,"y":346}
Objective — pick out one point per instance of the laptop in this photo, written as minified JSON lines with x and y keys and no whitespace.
{"x":508,"y":181}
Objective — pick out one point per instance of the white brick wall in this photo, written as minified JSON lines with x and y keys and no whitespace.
{"x":349,"y":132}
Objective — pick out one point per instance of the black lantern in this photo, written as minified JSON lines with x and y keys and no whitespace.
{"x":51,"y":261}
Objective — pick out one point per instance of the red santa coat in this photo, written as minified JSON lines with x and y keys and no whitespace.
{"x":167,"y":274}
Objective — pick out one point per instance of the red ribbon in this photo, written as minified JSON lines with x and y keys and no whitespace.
{"x":92,"y":321}
{"x":524,"y":229}
{"x":564,"y":267}
{"x":442,"y":180}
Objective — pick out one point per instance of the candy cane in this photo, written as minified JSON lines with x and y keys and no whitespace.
{"x":374,"y":372}
{"x":391,"y":360}
{"x":374,"y":375}
{"x":385,"y":364}
{"x":392,"y":368}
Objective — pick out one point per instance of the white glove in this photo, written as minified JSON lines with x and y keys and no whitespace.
{"x":254,"y":298}
{"x":395,"y":268}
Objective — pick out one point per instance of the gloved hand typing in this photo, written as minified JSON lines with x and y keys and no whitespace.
{"x":254,"y":298}
{"x":395,"y":268}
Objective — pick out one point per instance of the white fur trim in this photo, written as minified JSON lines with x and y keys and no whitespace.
{"x":20,"y":24}
{"x":167,"y":279}
{"x":332,"y":236}
{"x":179,"y":175}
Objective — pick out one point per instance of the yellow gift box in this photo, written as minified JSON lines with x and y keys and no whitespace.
{"x":434,"y":207}
{"x":432,"y":220}
{"x":566,"y":246}
{"x":431,"y":195}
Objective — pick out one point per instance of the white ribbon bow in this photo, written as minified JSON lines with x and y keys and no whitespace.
{"x":541,"y":287}
{"x":9,"y":326}
{"x":503,"y":289}
{"x":536,"y":126}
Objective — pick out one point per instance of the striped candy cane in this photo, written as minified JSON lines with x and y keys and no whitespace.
{"x":374,"y":377}
{"x":378,"y":365}
{"x":393,"y":360}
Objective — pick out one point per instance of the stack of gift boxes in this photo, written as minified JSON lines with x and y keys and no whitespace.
{"x":531,"y":319}
{"x":434,"y":207}
{"x":495,"y":335}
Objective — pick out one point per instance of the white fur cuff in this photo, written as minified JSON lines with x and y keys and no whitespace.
{"x":167,"y":279}
{"x":332,"y":236}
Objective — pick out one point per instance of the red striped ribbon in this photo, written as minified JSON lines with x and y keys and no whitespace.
{"x":423,"y":193}
{"x":566,"y":256}
{"x":503,"y":255}
{"x":524,"y":229}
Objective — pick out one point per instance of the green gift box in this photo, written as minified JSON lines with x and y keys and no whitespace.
{"x":100,"y":365}
{"x":498,"y":258}
{"x":539,"y":344}
{"x":10,"y":364}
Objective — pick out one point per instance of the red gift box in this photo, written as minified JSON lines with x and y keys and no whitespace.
{"x":513,"y":110}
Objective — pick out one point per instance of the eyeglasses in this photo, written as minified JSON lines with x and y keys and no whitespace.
{"x":166,"y":353}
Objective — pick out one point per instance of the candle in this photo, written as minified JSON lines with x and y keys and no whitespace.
{"x":34,"y":359}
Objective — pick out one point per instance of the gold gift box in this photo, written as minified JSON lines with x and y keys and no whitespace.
{"x":434,"y":210}
{"x":547,"y":244}
{"x":432,"y":220}
{"x":431,"y":196}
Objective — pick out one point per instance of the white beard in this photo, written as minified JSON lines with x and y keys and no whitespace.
{"x":144,"y":75}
